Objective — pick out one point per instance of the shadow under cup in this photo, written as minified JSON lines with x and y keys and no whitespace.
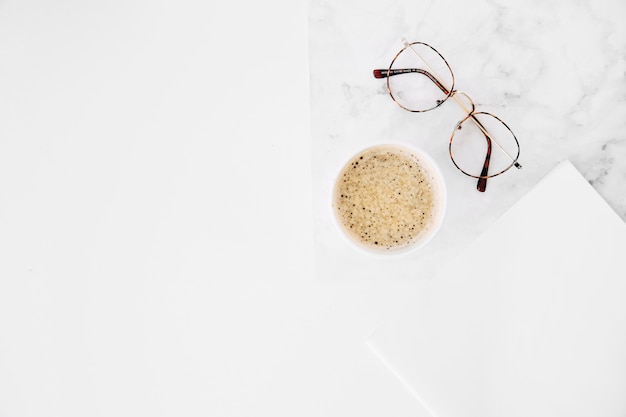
{"x":389,"y":199}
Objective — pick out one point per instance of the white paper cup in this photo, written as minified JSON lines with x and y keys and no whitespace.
{"x":377,"y":217}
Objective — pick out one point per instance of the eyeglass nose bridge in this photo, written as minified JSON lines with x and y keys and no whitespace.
{"x":456,"y":93}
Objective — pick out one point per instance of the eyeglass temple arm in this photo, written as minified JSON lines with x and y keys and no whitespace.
{"x":482,"y":181}
{"x":384,"y":73}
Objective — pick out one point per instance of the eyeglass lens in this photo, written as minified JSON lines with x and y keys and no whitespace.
{"x":469,"y":146}
{"x":419,"y":79}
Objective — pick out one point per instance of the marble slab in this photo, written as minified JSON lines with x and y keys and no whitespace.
{"x":554,"y":71}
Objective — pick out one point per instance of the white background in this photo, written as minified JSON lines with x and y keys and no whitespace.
{"x":155,"y":220}
{"x":156,"y":237}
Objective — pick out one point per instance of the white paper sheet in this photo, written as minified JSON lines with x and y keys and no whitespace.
{"x":530,"y":320}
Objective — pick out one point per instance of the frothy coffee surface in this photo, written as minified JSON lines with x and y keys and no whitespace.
{"x":384,"y":198}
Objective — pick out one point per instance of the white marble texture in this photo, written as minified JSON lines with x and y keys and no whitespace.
{"x":554,"y":71}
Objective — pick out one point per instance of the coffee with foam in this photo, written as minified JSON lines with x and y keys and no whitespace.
{"x":388,"y":198}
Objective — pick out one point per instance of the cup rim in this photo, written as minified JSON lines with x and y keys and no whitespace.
{"x":412,"y":247}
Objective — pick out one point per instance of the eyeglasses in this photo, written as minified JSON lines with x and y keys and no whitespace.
{"x":419,"y":79}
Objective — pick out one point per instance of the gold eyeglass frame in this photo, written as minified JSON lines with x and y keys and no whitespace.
{"x":450,"y":92}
